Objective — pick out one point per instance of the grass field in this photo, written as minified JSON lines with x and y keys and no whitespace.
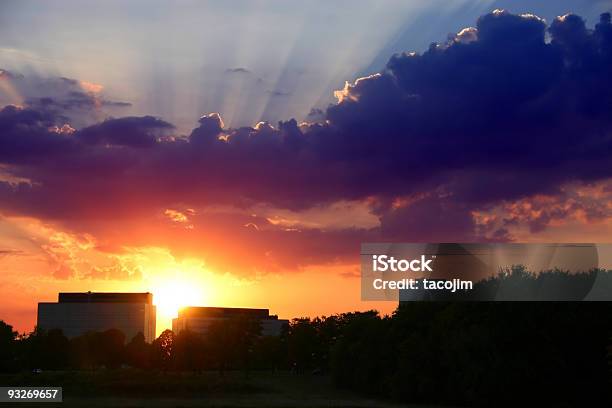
{"x":134,"y":388}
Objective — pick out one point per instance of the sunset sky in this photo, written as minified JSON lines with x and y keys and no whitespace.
{"x":237,"y":153}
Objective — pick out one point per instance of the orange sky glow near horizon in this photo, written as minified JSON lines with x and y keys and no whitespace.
{"x":33,"y":273}
{"x":300,"y":294}
{"x":45,"y":260}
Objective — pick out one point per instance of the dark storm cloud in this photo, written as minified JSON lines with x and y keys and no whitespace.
{"x":69,"y":100}
{"x":504,"y":116}
{"x":451,"y":220}
{"x":32,"y":139}
{"x":73,"y":100}
{"x":127,"y":131}
{"x":25,"y":136}
{"x":498,"y":113}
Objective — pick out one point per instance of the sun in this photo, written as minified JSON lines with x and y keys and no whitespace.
{"x":170,"y":296}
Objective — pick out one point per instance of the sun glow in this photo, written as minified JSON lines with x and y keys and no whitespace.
{"x":170,"y":296}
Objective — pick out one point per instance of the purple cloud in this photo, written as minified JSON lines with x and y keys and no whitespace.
{"x":497,"y":113}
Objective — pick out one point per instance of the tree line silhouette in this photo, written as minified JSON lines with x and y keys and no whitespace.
{"x":464,"y":353}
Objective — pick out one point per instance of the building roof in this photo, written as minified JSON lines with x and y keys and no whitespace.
{"x":224,"y":312}
{"x":105,"y":297}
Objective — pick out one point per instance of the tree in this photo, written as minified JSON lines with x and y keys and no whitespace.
{"x":110,"y":345}
{"x":359,"y":357}
{"x":137,"y":352}
{"x":45,"y":349}
{"x":189,"y":351}
{"x":231,"y":342}
{"x":302,"y":345}
{"x":162,"y":350}
{"x":82,"y":352}
{"x":7,"y":347}
{"x":55,"y":350}
{"x":270,"y":352}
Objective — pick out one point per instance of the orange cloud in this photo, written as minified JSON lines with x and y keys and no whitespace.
{"x":90,"y":86}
